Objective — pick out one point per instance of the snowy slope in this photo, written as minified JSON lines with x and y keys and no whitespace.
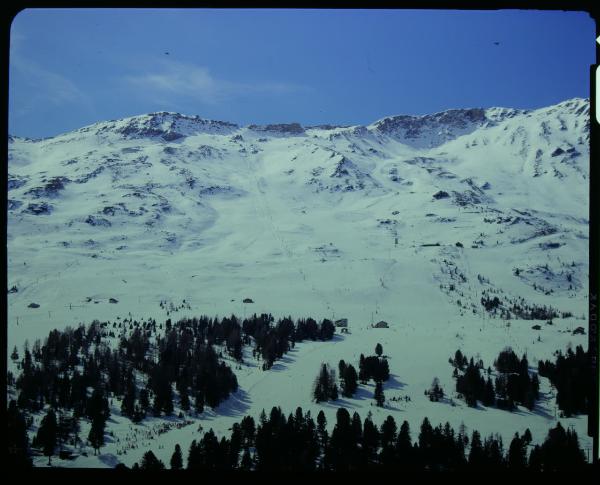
{"x":323,"y":222}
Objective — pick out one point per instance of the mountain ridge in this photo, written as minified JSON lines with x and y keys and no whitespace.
{"x":153,"y":119}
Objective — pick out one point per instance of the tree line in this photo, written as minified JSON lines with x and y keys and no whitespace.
{"x":298,"y":443}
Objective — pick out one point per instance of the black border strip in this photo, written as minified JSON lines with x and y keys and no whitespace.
{"x":592,"y":8}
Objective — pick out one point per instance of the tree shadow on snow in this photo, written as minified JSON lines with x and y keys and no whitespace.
{"x":393,"y":384}
{"x":237,"y":405}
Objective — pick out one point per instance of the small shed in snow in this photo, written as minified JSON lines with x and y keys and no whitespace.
{"x":342,"y":322}
{"x":381,"y":324}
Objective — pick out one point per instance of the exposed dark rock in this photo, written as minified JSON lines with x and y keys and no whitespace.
{"x":51,"y":189}
{"x":284,"y":128}
{"x":97,"y":221}
{"x":551,"y":245}
{"x":16,"y":181}
{"x":93,"y":174}
{"x":42,"y":208}
{"x":172,"y":136}
{"x":442,"y":194}
{"x":13,"y":204}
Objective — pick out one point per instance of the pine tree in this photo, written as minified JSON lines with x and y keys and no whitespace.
{"x":404,"y":446}
{"x":199,"y":404}
{"x":246,"y":463}
{"x":47,"y":434}
{"x":362,"y":374}
{"x":489,"y":395}
{"x":128,"y":403}
{"x":248,"y":431}
{"x":322,"y":428}
{"x":97,"y":406}
{"x":426,"y":441}
{"x":176,"y":459}
{"x":379,"y":395}
{"x":476,"y":454}
{"x":435,"y":391}
{"x":536,"y":459}
{"x":96,"y":434}
{"x":151,"y":463}
{"x":349,"y":381}
{"x":144,"y":400}
{"x":517,"y":453}
{"x":378,"y":350}
{"x":184,"y":398}
{"x":370,"y":441}
{"x":17,"y":439}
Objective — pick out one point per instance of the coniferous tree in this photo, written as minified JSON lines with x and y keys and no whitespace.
{"x":16,"y":437}
{"x":561,"y":451}
{"x":246,"y":463}
{"x":476,"y":453}
{"x":370,"y":442}
{"x":426,"y":443}
{"x":97,"y":406}
{"x":151,"y":463}
{"x":435,"y":392}
{"x":349,"y":381}
{"x":199,"y":404}
{"x":322,"y":428}
{"x":128,"y":403}
{"x":404,"y":448}
{"x":378,"y":350}
{"x":325,"y":388}
{"x":96,"y":434}
{"x":184,"y":398}
{"x":47,"y":434}
{"x":517,"y":454}
{"x":144,"y":400}
{"x":489,"y":394}
{"x":362,"y":374}
{"x":379,"y":395}
{"x":388,"y":442}
{"x":176,"y":459}
{"x":248,"y":428}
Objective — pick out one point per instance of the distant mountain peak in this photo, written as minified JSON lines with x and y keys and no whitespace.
{"x":165,"y":124}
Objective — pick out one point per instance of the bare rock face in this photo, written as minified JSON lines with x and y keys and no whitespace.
{"x":281,"y":128}
{"x":36,"y":209}
{"x":441,"y":195}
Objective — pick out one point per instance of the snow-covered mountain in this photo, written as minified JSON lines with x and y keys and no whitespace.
{"x":360,"y":222}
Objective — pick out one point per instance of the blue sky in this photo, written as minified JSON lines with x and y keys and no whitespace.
{"x":73,"y":67}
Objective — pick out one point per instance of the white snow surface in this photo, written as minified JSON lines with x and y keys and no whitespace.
{"x":323,"y":222}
